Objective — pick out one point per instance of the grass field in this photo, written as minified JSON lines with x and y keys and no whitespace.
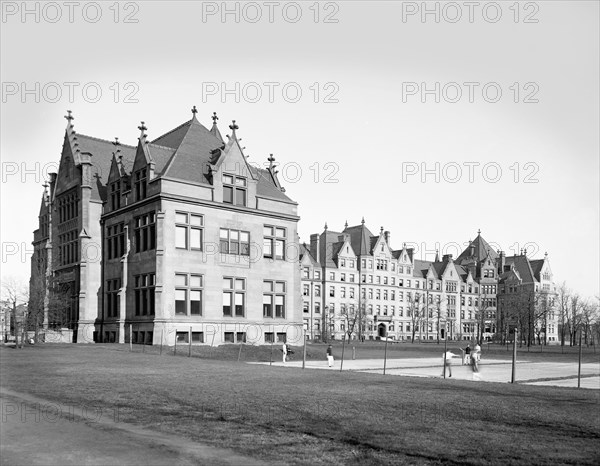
{"x":318,"y":417}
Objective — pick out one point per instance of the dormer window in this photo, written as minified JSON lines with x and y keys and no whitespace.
{"x":115,"y":195}
{"x":234,"y":190}
{"x":140,"y":184}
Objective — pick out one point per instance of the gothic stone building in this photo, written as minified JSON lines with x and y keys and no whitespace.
{"x":174,"y":239}
{"x":353,"y":282}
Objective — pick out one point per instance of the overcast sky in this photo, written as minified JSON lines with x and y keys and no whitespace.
{"x":356,"y":141}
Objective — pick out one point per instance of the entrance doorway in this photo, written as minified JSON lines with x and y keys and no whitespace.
{"x":381,"y":330}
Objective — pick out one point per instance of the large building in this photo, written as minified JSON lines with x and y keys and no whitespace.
{"x":177,"y":238}
{"x":354,"y":283}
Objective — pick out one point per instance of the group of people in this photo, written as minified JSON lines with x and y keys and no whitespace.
{"x":472,"y":355}
{"x":287,"y":351}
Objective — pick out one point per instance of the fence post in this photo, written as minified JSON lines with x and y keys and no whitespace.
{"x":130,"y":339}
{"x":579,"y":364}
{"x":514,"y":359}
{"x":190,"y":344}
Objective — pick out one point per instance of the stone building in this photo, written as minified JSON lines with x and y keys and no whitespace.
{"x":354,"y":283}
{"x":174,"y":239}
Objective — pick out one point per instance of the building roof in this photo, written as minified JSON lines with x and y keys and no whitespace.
{"x":360,"y":239}
{"x":523,"y":267}
{"x":481,"y":250}
{"x":305,"y":252}
{"x":536,"y":267}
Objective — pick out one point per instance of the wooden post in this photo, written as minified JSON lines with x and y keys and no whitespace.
{"x":240,"y":351}
{"x":304,"y":352}
{"x":343,"y":346}
{"x":161,"y":340}
{"x":130,"y":338}
{"x":190,"y":344}
{"x":385,"y":353}
{"x":445,"y":349}
{"x":514,"y":359}
{"x":272,"y":340}
{"x":175,"y":346}
{"x":353,"y":353}
{"x":579,"y":365}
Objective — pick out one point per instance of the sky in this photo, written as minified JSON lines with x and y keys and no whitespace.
{"x":431,"y":124}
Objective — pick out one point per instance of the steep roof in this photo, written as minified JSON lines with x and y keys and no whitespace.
{"x":536,"y":267}
{"x":193,"y":151}
{"x":305,"y":252}
{"x":266,"y":186}
{"x":421,"y":268}
{"x":360,"y":239}
{"x":481,"y":250}
{"x":102,"y":153}
{"x":523,"y":267}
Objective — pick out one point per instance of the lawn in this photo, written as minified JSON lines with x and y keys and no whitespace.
{"x":292,"y":416}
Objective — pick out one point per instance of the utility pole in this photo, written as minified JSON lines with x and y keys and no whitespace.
{"x":514,"y":358}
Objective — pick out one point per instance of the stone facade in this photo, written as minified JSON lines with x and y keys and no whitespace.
{"x":178,"y":239}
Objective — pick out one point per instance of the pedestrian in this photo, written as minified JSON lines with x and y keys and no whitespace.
{"x":284,"y":349}
{"x":475,"y":358}
{"x":330,"y":356}
{"x":448,"y":363}
{"x":467,"y":355}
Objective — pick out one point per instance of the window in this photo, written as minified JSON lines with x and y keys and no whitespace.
{"x":234,"y":242}
{"x":228,"y":337}
{"x":400,"y":269}
{"x":274,"y":242}
{"x":332,"y":276}
{"x":317,"y":275}
{"x":240,"y":337}
{"x":317,"y":308}
{"x":274,"y":299}
{"x":332,"y":291}
{"x":305,"y":307}
{"x":67,"y":206}
{"x":197,"y":337}
{"x":68,"y":245}
{"x":269,"y":337}
{"x":115,"y":241}
{"x":305,"y":290}
{"x":282,"y":337}
{"x":343,"y":292}
{"x":112,"y":297}
{"x":115,"y":195}
{"x":317,"y":290}
{"x":182,"y":337}
{"x":234,"y":296}
{"x":188,"y":231}
{"x":188,"y":294}
{"x":140,"y":184}
{"x":234,"y":190}
{"x":306,"y":273}
{"x":351,"y":278}
{"x":451,"y":287}
{"x":145,"y":232}
{"x":342,"y":262}
{"x":351,"y":291}
{"x":144,"y":294}
{"x":343,"y":277}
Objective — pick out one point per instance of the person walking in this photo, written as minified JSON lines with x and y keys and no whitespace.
{"x":475,"y":359}
{"x":467,"y":355}
{"x":330,"y":356}
{"x":285,"y":351}
{"x":448,"y":355}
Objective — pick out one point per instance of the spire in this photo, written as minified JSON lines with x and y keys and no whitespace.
{"x":363,"y":221}
{"x":381,"y":231}
{"x":194,"y":111}
{"x":346,"y":225}
{"x":325,"y":226}
{"x":214,"y":118}
{"x":437,"y":256}
{"x":271,"y":159}
{"x":479,"y":232}
{"x":142,"y":129}
{"x":214,"y":130}
{"x":69,"y":117}
{"x":233,"y":127}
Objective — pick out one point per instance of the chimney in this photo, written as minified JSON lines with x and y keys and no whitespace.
{"x":502,"y":261}
{"x":53,"y":177}
{"x":386,"y":235}
{"x":472,"y":250}
{"x":314,"y":246}
{"x":447,"y":258}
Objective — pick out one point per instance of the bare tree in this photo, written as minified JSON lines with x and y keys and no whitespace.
{"x":413,"y":311}
{"x":562,"y":303}
{"x":15,"y":295}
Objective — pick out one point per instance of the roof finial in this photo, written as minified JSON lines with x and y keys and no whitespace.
{"x":403,"y":245}
{"x":233,"y":127}
{"x":479,"y":232}
{"x":363,"y":221}
{"x":116,"y":142}
{"x":381,"y":230}
{"x":214,"y":118}
{"x":271,"y":159}
{"x":325,"y":225}
{"x":194,"y":111}
{"x":546,"y":254}
{"x":69,"y":116}
{"x":142,"y":128}
{"x":346,"y":224}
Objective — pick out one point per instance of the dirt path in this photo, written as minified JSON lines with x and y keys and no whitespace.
{"x":35,"y":431}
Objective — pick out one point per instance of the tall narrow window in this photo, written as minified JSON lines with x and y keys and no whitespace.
{"x":234,"y":242}
{"x":274,"y":242}
{"x":140,"y":184}
{"x":115,"y":195}
{"x":234,"y":296}
{"x":145,"y":232}
{"x":144,"y":294}
{"x":188,"y":294}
